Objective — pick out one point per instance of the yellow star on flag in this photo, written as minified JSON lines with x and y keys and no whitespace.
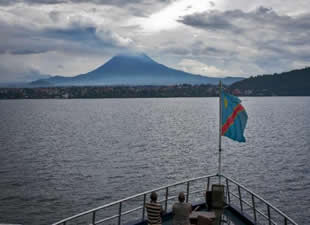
{"x":225,"y":102}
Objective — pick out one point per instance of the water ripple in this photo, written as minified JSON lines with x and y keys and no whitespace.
{"x":61,"y":157}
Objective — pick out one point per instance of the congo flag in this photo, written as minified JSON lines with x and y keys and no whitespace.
{"x":234,"y":117}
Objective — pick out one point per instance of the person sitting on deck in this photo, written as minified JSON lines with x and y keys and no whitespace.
{"x":181,"y":211}
{"x":154,"y":210}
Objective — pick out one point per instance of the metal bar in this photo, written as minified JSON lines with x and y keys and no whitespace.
{"x":128,"y":198}
{"x":247,"y":203}
{"x":266,"y":217}
{"x":187,"y":191}
{"x":258,"y":211}
{"x":120,"y":213}
{"x":261,"y":199}
{"x":243,"y":201}
{"x":227,"y":189}
{"x":169,"y":198}
{"x":262,"y":214}
{"x":268,"y":211}
{"x":234,"y":195}
{"x":240,"y":198}
{"x":131,"y":210}
{"x":143,"y":211}
{"x":94,"y":218}
{"x":254,"y":208}
{"x":166,"y":199}
{"x":286,"y":218}
{"x":198,"y":191}
{"x":175,"y":196}
{"x":107,"y":219}
{"x":220,"y":131}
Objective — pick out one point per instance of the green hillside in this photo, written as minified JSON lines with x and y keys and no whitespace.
{"x":294,"y":83}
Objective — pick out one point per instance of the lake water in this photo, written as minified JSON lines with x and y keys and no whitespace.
{"x":61,"y":157}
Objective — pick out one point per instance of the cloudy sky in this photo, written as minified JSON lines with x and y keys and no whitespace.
{"x":213,"y":38}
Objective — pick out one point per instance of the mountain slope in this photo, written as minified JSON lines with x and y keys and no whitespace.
{"x":134,"y":69}
{"x":295,"y":82}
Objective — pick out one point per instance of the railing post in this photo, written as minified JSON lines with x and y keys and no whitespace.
{"x":120,"y":213}
{"x":269,"y":217}
{"x":92,"y":213}
{"x":187,"y":191}
{"x":143,"y":210}
{"x":240,"y":198}
{"x":227,"y":190}
{"x":166,"y":199}
{"x":254,"y":208}
{"x":94,"y":218}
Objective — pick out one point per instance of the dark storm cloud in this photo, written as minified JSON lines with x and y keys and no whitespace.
{"x":74,"y":33}
{"x":27,"y":51}
{"x":17,"y":41}
{"x":211,"y":21}
{"x":49,"y":35}
{"x":20,"y":40}
{"x":55,"y":16}
{"x":176,"y":51}
{"x":211,"y":51}
{"x":277,"y":40}
{"x":88,"y":35}
{"x":17,"y":74}
{"x":101,"y":2}
{"x":13,"y":2}
{"x":198,"y":49}
{"x":238,"y":20}
{"x":107,"y":2}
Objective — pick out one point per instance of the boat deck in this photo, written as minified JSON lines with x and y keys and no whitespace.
{"x":242,"y":205}
{"x":228,"y":217}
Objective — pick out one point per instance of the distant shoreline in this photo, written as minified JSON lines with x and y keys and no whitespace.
{"x":106,"y":92}
{"x":12,"y":99}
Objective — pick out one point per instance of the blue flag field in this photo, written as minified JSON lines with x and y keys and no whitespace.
{"x":234,"y":117}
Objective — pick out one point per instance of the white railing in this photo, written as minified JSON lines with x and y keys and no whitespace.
{"x":274,"y":218}
{"x":199,"y":185}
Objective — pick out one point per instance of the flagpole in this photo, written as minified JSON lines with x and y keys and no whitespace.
{"x":220,"y":132}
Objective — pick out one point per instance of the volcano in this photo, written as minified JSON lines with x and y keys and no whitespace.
{"x":133,"y":69}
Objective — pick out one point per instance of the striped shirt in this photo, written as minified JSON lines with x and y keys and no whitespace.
{"x":153,"y":213}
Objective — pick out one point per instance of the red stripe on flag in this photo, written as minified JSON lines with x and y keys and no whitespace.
{"x":231,"y":118}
